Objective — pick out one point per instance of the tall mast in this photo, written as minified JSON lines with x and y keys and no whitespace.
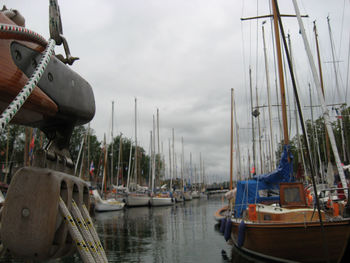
{"x":191,"y":179}
{"x":322,"y":87}
{"x":182,"y":162}
{"x":272,"y":147}
{"x":280,"y":74}
{"x":119,"y":157}
{"x":159,"y":159}
{"x":129,"y":168}
{"x":231,"y":142}
{"x":239,"y":173}
{"x":259,"y":131}
{"x":320,"y":97}
{"x":173,"y":154}
{"x":111,"y":142}
{"x":135,"y":164}
{"x":153,"y":156}
{"x":251,"y":113}
{"x":340,"y":122}
{"x":170,"y":172}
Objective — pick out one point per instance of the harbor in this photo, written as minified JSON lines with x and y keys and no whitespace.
{"x":174,"y":131}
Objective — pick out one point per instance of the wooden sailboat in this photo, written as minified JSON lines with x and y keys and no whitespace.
{"x":283,"y":227}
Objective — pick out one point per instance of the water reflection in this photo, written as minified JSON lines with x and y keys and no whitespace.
{"x":184,"y":232}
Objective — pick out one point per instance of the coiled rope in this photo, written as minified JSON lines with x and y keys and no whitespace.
{"x":80,"y":225}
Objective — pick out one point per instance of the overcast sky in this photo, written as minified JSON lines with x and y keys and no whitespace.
{"x":183,"y":57}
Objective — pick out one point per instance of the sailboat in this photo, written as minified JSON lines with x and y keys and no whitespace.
{"x":161,"y":198}
{"x":139,"y":196}
{"x":282,"y":226}
{"x":107,"y":204}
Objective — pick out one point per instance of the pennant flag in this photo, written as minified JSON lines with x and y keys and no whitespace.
{"x":92,"y":167}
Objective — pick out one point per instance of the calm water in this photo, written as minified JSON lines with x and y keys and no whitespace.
{"x":185,"y":232}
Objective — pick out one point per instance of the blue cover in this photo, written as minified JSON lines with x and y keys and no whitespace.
{"x":248,"y":191}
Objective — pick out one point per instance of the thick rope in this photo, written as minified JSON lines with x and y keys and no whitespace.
{"x":23,"y":95}
{"x":83,"y":228}
{"x":75,"y":233}
{"x":88,"y":221}
{"x":21,"y":33}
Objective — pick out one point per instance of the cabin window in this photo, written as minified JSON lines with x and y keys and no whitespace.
{"x":292,"y":195}
{"x":267,"y":217}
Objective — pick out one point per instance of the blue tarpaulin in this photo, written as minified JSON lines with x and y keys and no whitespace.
{"x":248,"y":191}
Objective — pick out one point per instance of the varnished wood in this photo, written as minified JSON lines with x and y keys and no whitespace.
{"x":38,"y":106}
{"x":295,"y":241}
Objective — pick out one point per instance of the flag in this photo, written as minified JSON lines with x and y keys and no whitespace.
{"x":92,"y":167}
{"x":31,"y":146}
{"x":253,"y":170}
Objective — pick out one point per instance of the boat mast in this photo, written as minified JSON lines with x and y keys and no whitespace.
{"x":174,"y":173}
{"x":170,"y":172}
{"x":153,"y":155}
{"x":268,"y":98}
{"x":239,"y":173}
{"x":159,"y":159}
{"x":182,"y":163}
{"x":340,"y":122}
{"x":257,"y":114}
{"x":231,"y":142}
{"x":129,"y":168}
{"x":251,"y":113}
{"x":135,"y":164}
{"x":321,"y":98}
{"x":112,"y":143}
{"x":119,"y":157}
{"x":280,"y":75}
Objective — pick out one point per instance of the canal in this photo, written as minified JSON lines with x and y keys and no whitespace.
{"x":185,"y":232}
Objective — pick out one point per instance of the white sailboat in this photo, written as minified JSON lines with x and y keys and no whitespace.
{"x":106,"y":205}
{"x":139,"y":197}
{"x":161,"y":198}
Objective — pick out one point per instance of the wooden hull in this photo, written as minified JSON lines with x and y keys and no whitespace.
{"x":301,"y":242}
{"x":38,"y":106}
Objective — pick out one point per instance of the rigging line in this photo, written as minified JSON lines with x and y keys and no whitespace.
{"x":341,"y":28}
{"x":347,"y":75}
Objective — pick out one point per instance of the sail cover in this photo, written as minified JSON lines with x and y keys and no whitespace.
{"x":248,"y":191}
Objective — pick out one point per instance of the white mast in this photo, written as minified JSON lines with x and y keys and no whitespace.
{"x":170,"y":168}
{"x":135,"y":164}
{"x":153,"y":156}
{"x":320,"y":97}
{"x":112,"y":143}
{"x":119,"y":157}
{"x":269,"y":100}
{"x":129,"y":168}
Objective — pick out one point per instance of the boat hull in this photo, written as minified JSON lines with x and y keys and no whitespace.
{"x":108,"y":206}
{"x":161,"y":201}
{"x":137,"y":200}
{"x":187,"y":196}
{"x":294,"y":241}
{"x":195,"y":194}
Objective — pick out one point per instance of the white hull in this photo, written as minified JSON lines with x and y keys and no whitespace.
{"x":137,"y":200}
{"x":195,"y":194}
{"x":106,"y":205}
{"x":109,"y":205}
{"x":187,"y":196}
{"x":161,"y":201}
